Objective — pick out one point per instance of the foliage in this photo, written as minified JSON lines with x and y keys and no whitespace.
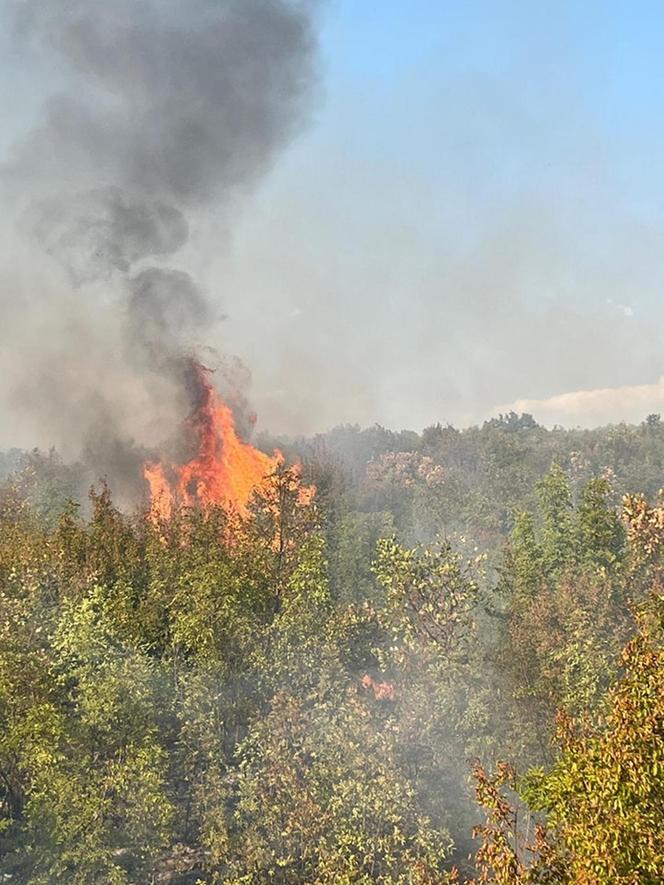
{"x":604,"y":795}
{"x":186,"y":698}
{"x":293,"y":696}
{"x":514,"y":848}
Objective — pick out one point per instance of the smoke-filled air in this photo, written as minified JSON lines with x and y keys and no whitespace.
{"x":252,"y":630}
{"x":157,"y":115}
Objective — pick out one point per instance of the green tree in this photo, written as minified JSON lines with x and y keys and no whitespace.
{"x":605,"y":796}
{"x":558,"y":536}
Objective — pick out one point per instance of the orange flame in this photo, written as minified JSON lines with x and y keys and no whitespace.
{"x":226,"y":470}
{"x":383,"y":691}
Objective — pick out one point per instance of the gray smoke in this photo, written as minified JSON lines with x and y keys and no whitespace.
{"x":165,"y":307}
{"x":104,"y":230}
{"x":163,"y":111}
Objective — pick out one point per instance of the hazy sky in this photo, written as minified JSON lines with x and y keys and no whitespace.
{"x":475,"y":217}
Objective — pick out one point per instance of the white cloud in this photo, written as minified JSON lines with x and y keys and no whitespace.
{"x":591,"y":408}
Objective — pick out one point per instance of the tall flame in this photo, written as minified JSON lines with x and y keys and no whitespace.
{"x":225,"y":471}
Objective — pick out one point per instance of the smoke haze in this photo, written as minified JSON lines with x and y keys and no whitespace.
{"x":482,"y":192}
{"x":163,"y":112}
{"x":473,"y":219}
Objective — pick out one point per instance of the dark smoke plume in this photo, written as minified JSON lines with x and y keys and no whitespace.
{"x":163,"y":110}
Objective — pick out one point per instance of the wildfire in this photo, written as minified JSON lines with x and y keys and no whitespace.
{"x":383,"y":691}
{"x":226,"y":470}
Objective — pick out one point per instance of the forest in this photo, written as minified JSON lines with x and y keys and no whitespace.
{"x":445,"y":665}
{"x":361,"y":655}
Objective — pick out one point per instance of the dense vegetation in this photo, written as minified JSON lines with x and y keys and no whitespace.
{"x":447,"y":667}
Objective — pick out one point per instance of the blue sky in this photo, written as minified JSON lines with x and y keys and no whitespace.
{"x":482,"y":192}
{"x":474,"y":216}
{"x":547,"y":98}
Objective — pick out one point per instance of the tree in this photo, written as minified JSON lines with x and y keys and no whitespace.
{"x":321,"y":799}
{"x":605,"y":796}
{"x":558,"y":536}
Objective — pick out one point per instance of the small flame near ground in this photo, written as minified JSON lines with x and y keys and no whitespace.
{"x":226,"y":470}
{"x":383,"y":691}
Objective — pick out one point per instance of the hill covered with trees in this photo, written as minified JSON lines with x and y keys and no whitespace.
{"x":446,"y":666}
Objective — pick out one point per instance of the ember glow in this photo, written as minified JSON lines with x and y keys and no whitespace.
{"x":226,"y":471}
{"x":383,"y":691}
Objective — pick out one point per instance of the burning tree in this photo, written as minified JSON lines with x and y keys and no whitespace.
{"x":225,"y":470}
